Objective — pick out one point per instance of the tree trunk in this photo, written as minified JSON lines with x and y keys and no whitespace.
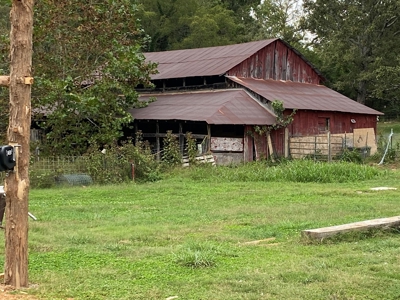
{"x":17,"y":182}
{"x":362,"y":92}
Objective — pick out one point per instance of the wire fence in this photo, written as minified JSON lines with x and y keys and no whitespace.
{"x":45,"y":172}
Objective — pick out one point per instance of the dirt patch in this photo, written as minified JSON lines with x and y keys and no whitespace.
{"x":9,"y":293}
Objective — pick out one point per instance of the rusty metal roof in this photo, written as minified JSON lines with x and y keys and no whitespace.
{"x":233,"y":106}
{"x":202,"y":61}
{"x":305,"y":96}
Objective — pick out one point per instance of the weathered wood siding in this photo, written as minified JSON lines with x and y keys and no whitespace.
{"x":278,"y":62}
{"x":309,"y":122}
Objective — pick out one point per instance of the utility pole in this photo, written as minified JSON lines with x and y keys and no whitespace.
{"x":17,"y":182}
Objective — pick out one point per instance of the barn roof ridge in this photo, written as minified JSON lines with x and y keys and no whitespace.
{"x":263,"y":43}
{"x":150,"y":94}
{"x":207,"y":61}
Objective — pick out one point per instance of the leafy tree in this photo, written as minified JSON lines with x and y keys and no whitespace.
{"x":166,"y":22}
{"x":279,"y":19}
{"x":177,"y":24}
{"x":4,"y":65}
{"x":357,"y":42}
{"x":87,"y":61}
{"x":213,"y":26}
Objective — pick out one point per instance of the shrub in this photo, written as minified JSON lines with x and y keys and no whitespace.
{"x":41,"y":178}
{"x":114,"y":164}
{"x":171,"y":154}
{"x":191,"y":148}
{"x":197,"y":255}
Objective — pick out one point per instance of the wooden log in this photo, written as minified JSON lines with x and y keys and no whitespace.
{"x":324,"y":232}
{"x":4,"y":81}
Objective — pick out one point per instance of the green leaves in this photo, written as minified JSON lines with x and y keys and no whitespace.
{"x":352,"y":37}
{"x":88,"y":61}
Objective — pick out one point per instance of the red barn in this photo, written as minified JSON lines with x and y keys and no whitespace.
{"x":221,"y":94}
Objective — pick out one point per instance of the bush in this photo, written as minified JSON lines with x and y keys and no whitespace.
{"x":41,"y":178}
{"x":171,"y":154}
{"x":114,"y":164}
{"x":348,"y":155}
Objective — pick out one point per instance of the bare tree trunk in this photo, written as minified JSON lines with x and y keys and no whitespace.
{"x":362,"y":92}
{"x":17,"y":182}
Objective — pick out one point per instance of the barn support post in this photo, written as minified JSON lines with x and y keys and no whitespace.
{"x":209,"y":138}
{"x":18,"y":135}
{"x":270,"y":147}
{"x":286,"y":142}
{"x":248,"y":144}
{"x":158,"y":140}
{"x":181,"y":138}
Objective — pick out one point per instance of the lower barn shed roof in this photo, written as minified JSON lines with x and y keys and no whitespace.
{"x":234,"y":106}
{"x":295,"y":95}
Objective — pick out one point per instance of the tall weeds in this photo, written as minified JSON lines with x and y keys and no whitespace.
{"x":290,"y":171}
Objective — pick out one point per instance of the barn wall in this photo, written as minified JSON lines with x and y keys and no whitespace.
{"x":313,"y":122}
{"x":276,"y":61}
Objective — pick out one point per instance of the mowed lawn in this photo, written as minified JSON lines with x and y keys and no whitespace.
{"x":199,"y":235}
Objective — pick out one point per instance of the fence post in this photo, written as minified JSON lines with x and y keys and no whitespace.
{"x":315,"y":148}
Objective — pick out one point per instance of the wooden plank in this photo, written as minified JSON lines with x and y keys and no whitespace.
{"x":4,"y":80}
{"x":324,"y":232}
{"x":226,"y":144}
{"x":365,"y":137}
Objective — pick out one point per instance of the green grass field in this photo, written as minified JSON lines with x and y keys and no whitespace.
{"x":192,"y":235}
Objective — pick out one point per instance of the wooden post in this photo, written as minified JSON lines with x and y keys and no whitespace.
{"x":270,"y":147}
{"x":286,"y":142}
{"x":208,"y":138}
{"x":17,"y":181}
{"x":158,"y":147}
{"x":181,"y":139}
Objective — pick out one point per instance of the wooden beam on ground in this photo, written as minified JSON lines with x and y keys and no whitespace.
{"x":4,"y":81}
{"x":325,"y":232}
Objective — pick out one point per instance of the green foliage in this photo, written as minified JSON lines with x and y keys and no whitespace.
{"x":4,"y":66}
{"x":177,"y":24}
{"x":356,"y":41}
{"x":191,"y":148}
{"x":40,"y":179}
{"x":171,"y":155}
{"x":114,"y":164}
{"x":88,"y":60}
{"x":348,"y":155}
{"x":197,"y":255}
{"x":281,"y":121}
{"x":211,"y":26}
{"x":279,"y":19}
{"x":290,"y":171}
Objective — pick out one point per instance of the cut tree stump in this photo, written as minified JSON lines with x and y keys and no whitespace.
{"x":324,"y":232}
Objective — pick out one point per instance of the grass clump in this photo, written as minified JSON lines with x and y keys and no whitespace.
{"x":197,"y":255}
